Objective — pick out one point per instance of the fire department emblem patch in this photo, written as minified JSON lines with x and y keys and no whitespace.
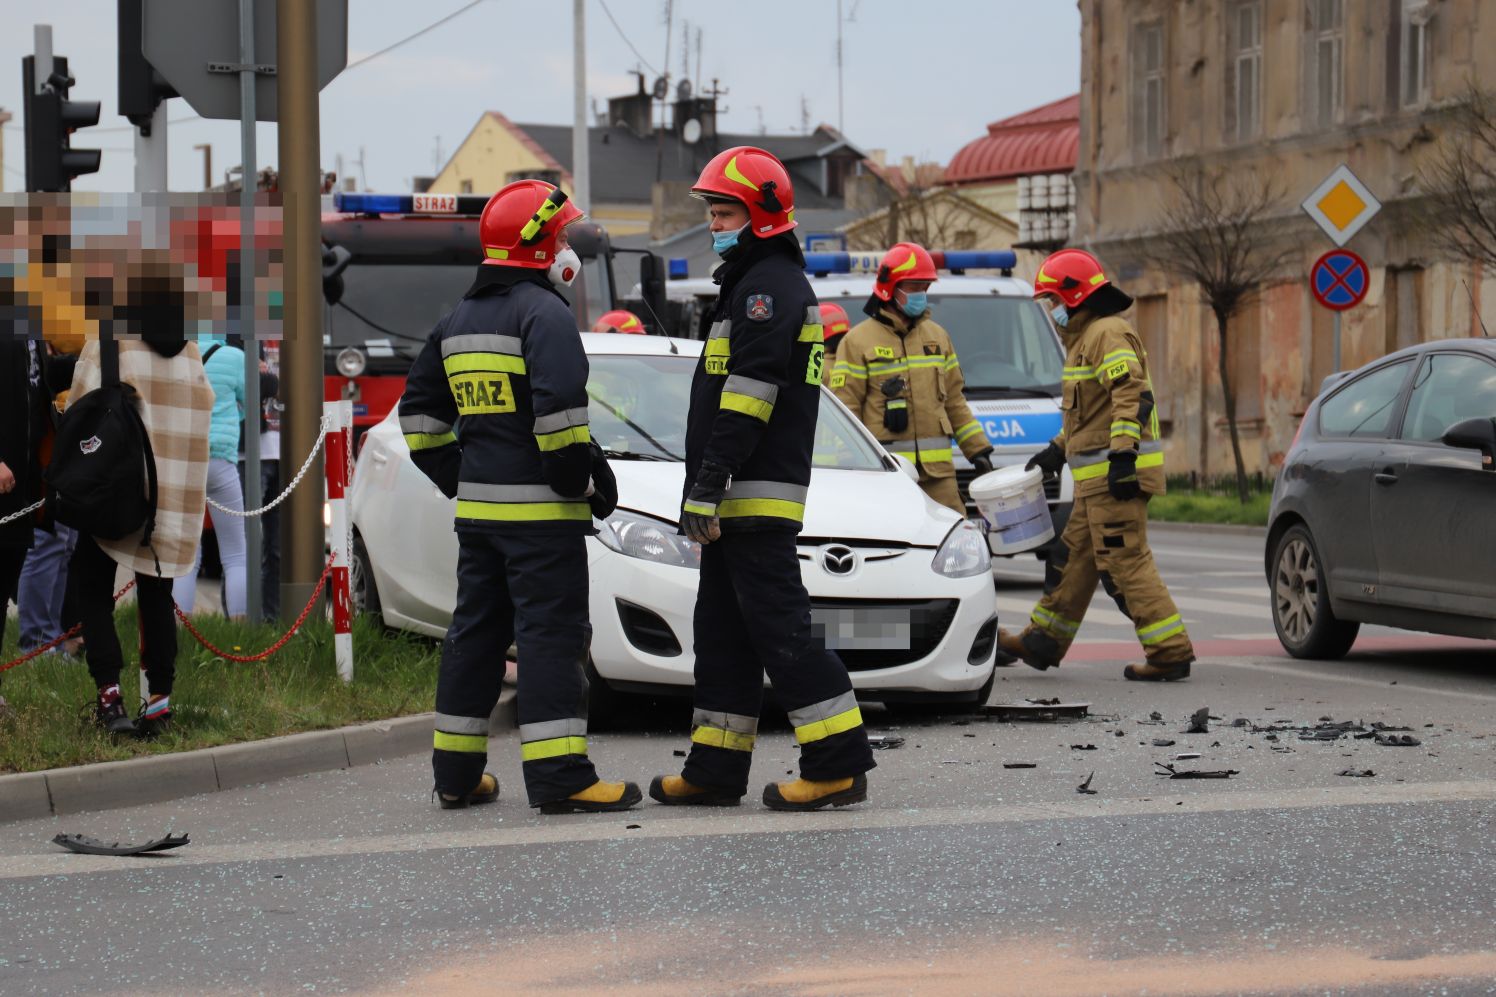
{"x":760,"y":307}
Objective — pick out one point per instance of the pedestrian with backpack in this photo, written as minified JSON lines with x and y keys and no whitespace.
{"x":129,"y":472}
{"x":224,"y":366}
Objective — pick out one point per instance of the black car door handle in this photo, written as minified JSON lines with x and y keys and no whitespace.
{"x":1386,"y":476}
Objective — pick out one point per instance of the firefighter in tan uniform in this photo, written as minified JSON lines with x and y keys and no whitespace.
{"x":897,"y":371}
{"x":1110,"y":438}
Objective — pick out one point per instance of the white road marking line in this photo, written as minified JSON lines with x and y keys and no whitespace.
{"x":1252,"y":591}
{"x":1310,"y":672}
{"x":1228,"y":574}
{"x":1266,"y":636}
{"x":1206,"y":555}
{"x":889,"y":815}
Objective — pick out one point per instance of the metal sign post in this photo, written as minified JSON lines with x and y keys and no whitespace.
{"x":1341,"y":206}
{"x":1339,"y":280}
{"x":249,"y":173}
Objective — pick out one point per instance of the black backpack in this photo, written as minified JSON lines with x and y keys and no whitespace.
{"x":102,"y":477}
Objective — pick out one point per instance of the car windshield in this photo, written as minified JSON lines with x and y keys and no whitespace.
{"x":396,"y":305}
{"x":1002,"y":343}
{"x":639,"y":404}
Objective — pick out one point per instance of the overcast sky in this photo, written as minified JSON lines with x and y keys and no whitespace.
{"x":920,"y":79}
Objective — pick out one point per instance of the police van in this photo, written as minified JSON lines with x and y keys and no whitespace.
{"x":1011,"y":357}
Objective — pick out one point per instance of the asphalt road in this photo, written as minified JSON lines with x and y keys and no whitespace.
{"x":958,"y":876}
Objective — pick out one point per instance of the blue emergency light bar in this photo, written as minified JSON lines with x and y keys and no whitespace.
{"x":468,"y":205}
{"x":680,"y":268}
{"x":954,"y":261}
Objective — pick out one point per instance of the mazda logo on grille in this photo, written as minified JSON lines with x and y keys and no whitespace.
{"x":838,"y":560}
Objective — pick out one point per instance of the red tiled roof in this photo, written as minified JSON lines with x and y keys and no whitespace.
{"x":1044,"y":140}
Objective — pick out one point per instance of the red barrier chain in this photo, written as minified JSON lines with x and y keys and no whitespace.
{"x":248,"y":659}
{"x":44,"y":648}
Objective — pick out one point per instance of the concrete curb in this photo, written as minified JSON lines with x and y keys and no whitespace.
{"x":156,"y":778}
{"x":1227,"y":529}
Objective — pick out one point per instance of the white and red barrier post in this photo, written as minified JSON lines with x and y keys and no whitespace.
{"x":338,"y":462}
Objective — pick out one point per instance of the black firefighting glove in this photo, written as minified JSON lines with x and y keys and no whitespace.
{"x":1122,"y":475}
{"x":1049,"y":460}
{"x":698,"y":517}
{"x":983,"y":461}
{"x":604,"y":497}
{"x":896,"y":412}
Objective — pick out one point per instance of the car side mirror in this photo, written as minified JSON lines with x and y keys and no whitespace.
{"x":1473,"y":434}
{"x":335,"y":260}
{"x":907,"y":466}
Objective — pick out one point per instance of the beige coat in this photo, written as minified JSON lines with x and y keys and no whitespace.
{"x":177,"y":406}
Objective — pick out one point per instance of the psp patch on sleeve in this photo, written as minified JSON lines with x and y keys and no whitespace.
{"x":760,"y":307}
{"x":1117,"y":371}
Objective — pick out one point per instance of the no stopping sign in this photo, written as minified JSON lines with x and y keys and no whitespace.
{"x":1339,"y":279}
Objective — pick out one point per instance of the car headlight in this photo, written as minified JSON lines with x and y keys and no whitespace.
{"x":963,"y":553}
{"x":351,"y":361}
{"x":649,"y":539}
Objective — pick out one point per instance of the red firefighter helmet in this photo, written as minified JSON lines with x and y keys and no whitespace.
{"x":755,"y":179}
{"x":1072,"y":275}
{"x":619,"y":320}
{"x":834,"y":323}
{"x":905,"y":261}
{"x":520,"y":224}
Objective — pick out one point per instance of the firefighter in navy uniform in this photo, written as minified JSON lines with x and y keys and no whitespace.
{"x":495,"y":413}
{"x":749,"y":438}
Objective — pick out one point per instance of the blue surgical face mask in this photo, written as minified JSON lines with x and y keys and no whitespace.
{"x":1060,"y":314}
{"x":723,"y":241}
{"x":916,"y":303}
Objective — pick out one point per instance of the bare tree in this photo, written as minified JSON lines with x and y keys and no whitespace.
{"x":1461,"y":182}
{"x":1212,"y":234}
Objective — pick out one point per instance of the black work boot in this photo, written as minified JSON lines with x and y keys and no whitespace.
{"x":1162,"y":671}
{"x":112,"y":717}
{"x":674,"y":791}
{"x":1019,"y":647}
{"x":486,"y":791}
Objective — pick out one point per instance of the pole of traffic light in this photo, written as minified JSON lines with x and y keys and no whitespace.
{"x":301,"y":352}
{"x":249,"y":173}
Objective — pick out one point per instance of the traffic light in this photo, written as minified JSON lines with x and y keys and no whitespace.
{"x":141,"y":88}
{"x":51,"y":161}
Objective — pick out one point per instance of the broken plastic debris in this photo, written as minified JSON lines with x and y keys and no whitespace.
{"x":679,"y":753}
{"x":85,"y":845}
{"x":1357,"y":773}
{"x":1186,"y":756}
{"x":1398,"y":740}
{"x":1162,"y":742}
{"x":1199,"y":721}
{"x":1173,"y":773}
{"x":1045,"y":711}
{"x":1083,"y":747}
{"x":882,"y":741}
{"x":1020,"y":765}
{"x":1085,"y":787}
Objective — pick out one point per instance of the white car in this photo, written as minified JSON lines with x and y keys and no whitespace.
{"x":900,"y":587}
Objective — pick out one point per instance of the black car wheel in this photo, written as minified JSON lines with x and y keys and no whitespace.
{"x":1306,"y":626}
{"x":361,"y":587}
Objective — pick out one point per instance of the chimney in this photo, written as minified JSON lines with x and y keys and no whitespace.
{"x":634,"y":111}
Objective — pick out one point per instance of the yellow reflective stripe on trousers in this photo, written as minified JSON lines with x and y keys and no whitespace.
{"x":555,"y":747}
{"x":522,"y":512}
{"x":1055,"y":624}
{"x":1157,"y":633}
{"x":463,"y":363}
{"x":715,"y":737}
{"x":563,"y":438}
{"x":836,"y":724}
{"x":428,"y":441}
{"x":472,"y":744}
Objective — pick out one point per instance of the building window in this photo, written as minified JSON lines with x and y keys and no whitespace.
{"x":466,"y":187}
{"x":1148,"y":106}
{"x":1244,"y":360}
{"x":1413,"y":52}
{"x":1326,"y":40}
{"x":1152,"y":325}
{"x":1244,"y":71}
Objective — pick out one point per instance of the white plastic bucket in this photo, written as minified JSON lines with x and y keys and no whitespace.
{"x":1011,"y":501}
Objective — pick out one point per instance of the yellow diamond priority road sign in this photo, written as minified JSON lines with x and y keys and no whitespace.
{"x":1341,"y":205}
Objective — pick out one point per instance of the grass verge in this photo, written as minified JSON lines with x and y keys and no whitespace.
{"x":214,"y":701}
{"x":1202,"y":507}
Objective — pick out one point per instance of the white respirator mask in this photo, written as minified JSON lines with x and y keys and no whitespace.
{"x":565,"y":267}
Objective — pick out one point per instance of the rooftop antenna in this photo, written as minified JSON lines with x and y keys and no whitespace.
{"x":685,"y":50}
{"x":698,"y":59}
{"x":436,"y":156}
{"x":1476,"y":309}
{"x":762,"y":130}
{"x":804,"y":115}
{"x":363,"y":179}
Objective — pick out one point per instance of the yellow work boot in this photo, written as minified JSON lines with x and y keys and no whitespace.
{"x":486,"y":791}
{"x":1163,"y":671}
{"x":600,"y":797}
{"x":1012,"y":644}
{"x":673,"y":791}
{"x":807,"y":794}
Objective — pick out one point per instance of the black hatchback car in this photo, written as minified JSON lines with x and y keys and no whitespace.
{"x":1385,"y":510}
